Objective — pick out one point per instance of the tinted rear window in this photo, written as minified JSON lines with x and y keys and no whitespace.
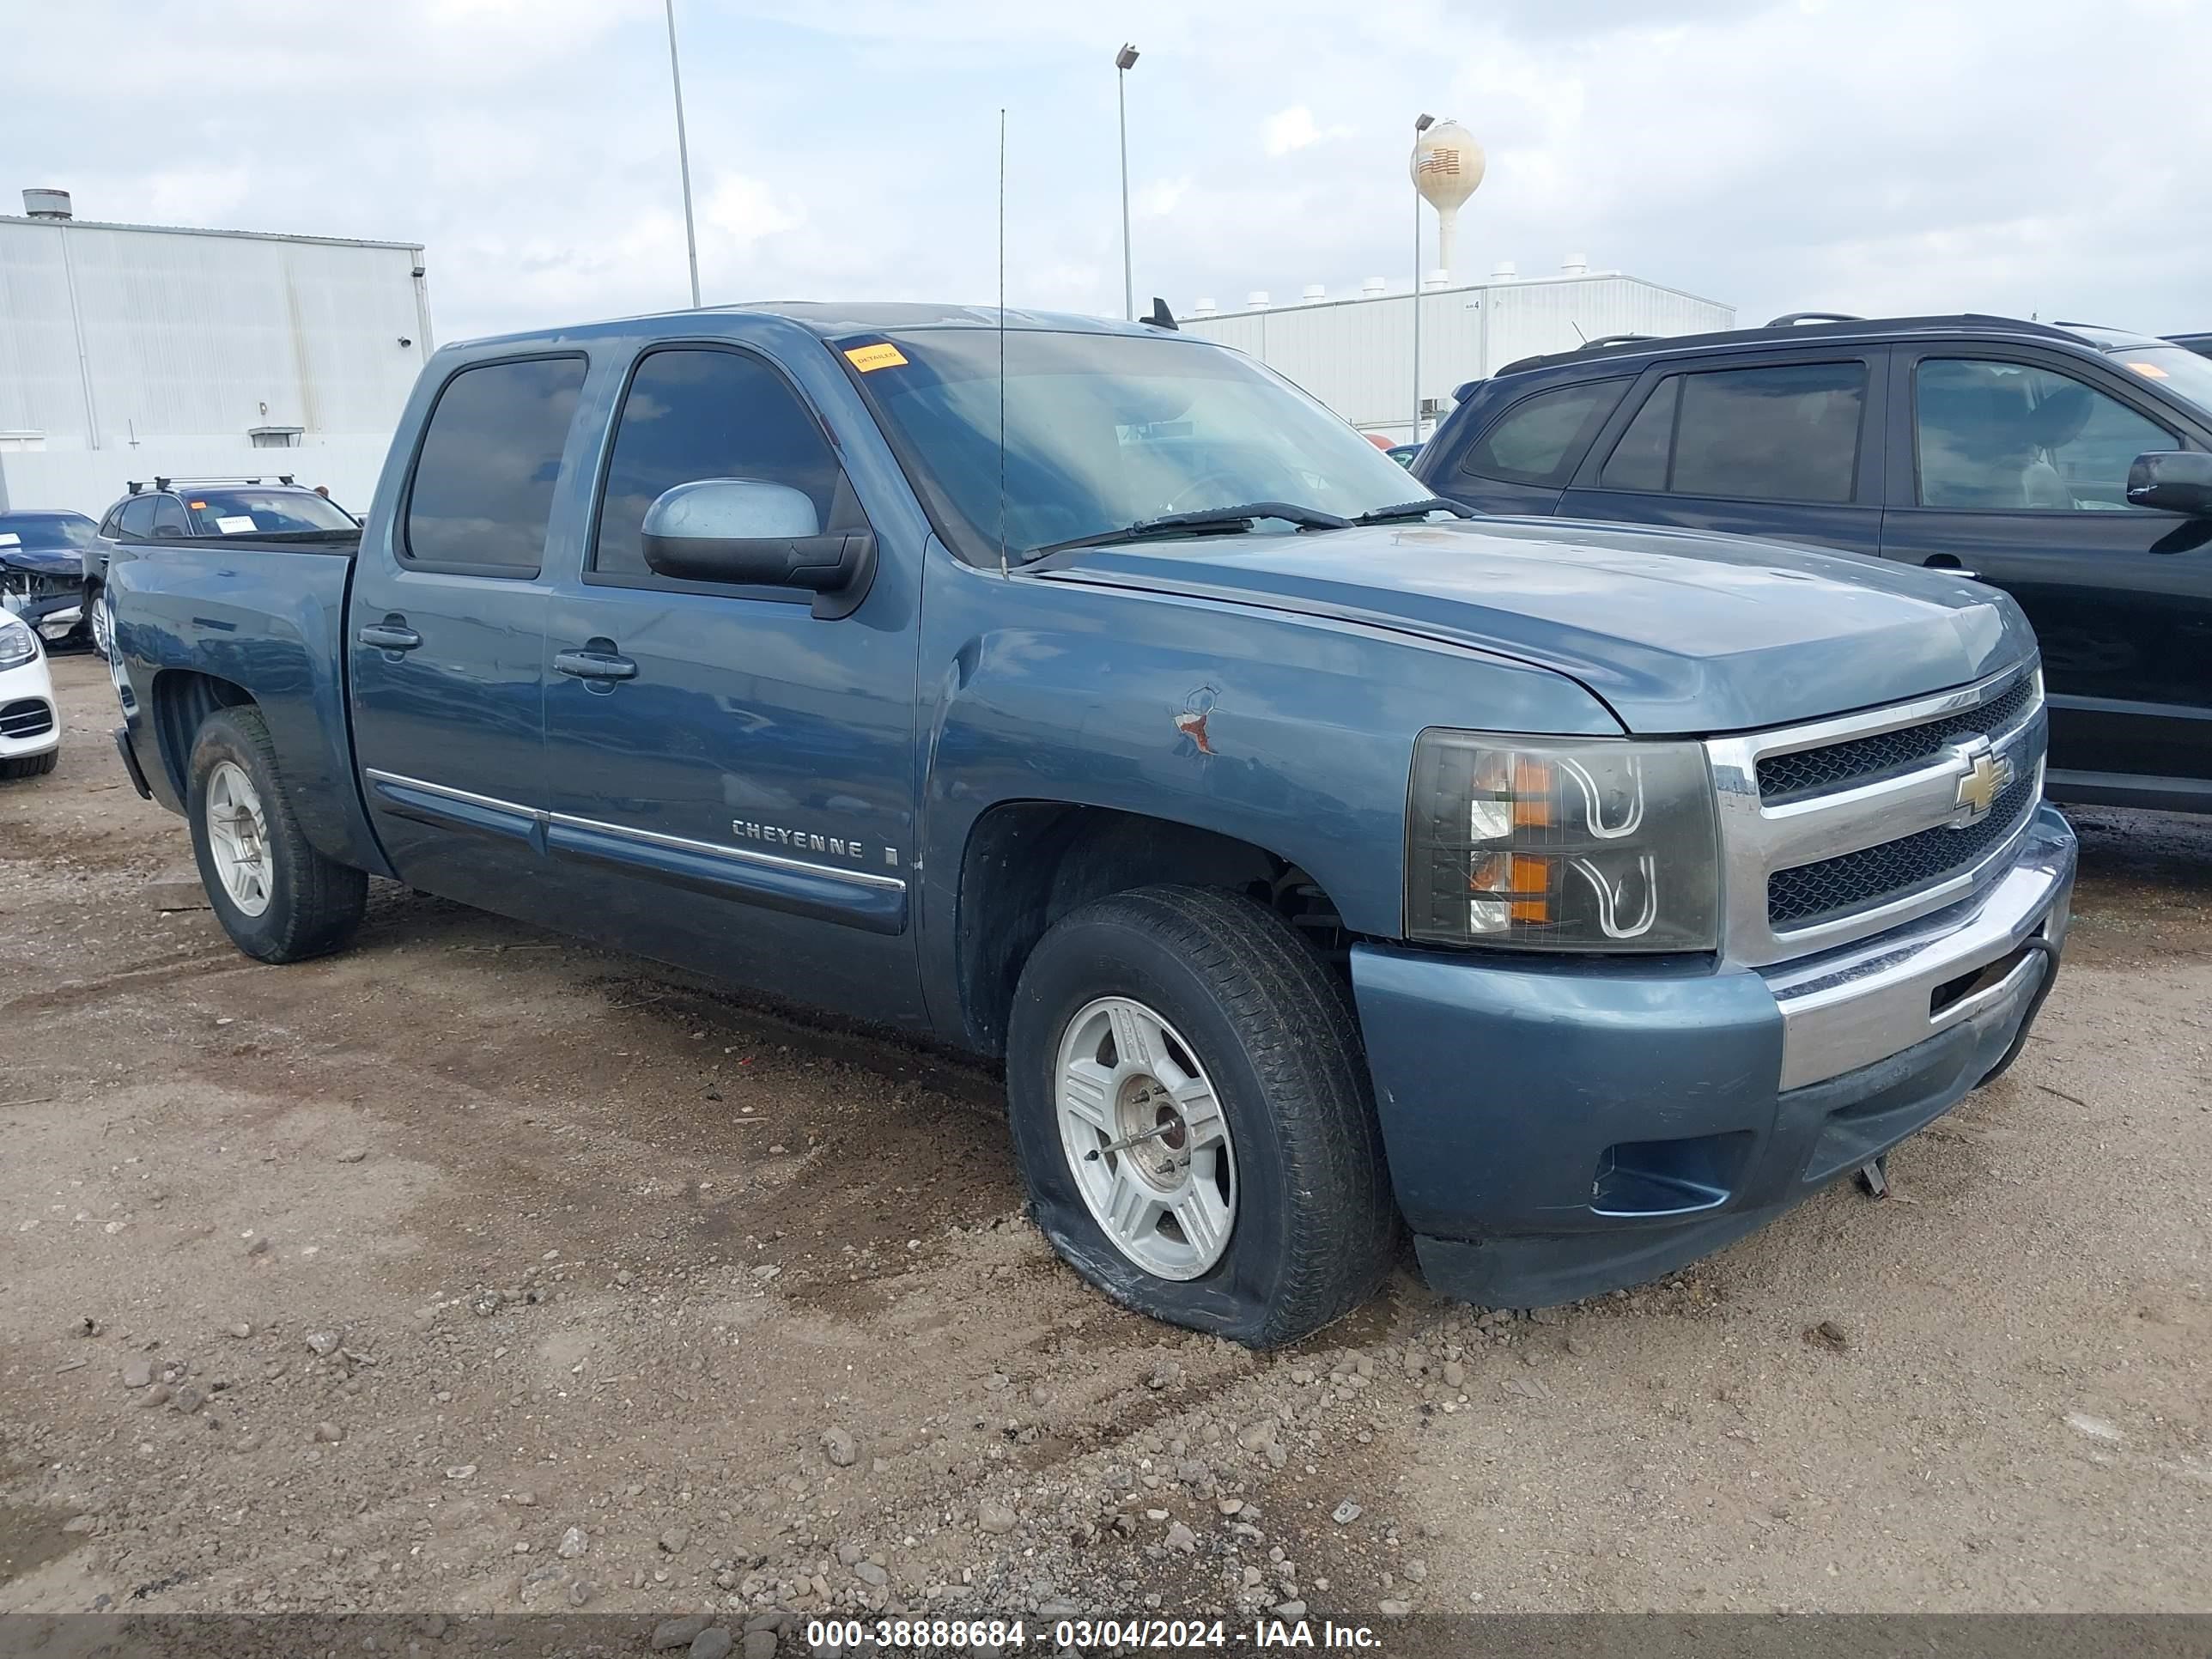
{"x":482,"y":489}
{"x":1539,"y":439}
{"x":1788,"y":433}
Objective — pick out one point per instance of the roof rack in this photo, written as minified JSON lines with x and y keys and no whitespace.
{"x":161,"y":483}
{"x":1791,"y":319}
{"x":1613,"y":340}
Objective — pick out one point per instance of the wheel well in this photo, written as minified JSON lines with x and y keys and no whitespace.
{"x":182,"y":699}
{"x":1028,"y":863}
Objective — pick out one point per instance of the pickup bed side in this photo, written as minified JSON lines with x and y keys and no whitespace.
{"x":208,"y":624}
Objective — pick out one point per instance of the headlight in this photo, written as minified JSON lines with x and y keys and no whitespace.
{"x":18,"y":644}
{"x":1568,"y":845}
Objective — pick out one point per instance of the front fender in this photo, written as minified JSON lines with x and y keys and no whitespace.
{"x":1291,"y":733}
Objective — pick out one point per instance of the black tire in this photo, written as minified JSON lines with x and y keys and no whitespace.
{"x":315,"y":904}
{"x":1316,"y":1228}
{"x":30,"y":766}
{"x":96,"y":597}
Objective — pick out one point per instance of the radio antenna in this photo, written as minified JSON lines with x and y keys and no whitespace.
{"x":1002,"y":340}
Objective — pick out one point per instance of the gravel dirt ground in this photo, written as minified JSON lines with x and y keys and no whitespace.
{"x":474,"y":1270}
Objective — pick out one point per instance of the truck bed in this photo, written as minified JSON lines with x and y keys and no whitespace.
{"x":261,"y":615}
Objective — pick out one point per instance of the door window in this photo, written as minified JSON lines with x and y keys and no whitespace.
{"x":169,"y":518}
{"x":1535,"y":441}
{"x":137,"y":517}
{"x":482,"y":495}
{"x":1789,"y":432}
{"x":693,"y":413}
{"x":1998,"y":436}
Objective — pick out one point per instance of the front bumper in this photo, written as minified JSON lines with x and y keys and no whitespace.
{"x":55,"y":618}
{"x":1557,"y":1129}
{"x":30,"y":721}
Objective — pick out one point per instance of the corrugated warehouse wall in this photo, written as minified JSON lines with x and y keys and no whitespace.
{"x":112,"y":332}
{"x":1356,"y":355}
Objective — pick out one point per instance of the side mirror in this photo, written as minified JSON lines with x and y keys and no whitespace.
{"x":2175,"y":480}
{"x":751,"y":532}
{"x":168,"y":533}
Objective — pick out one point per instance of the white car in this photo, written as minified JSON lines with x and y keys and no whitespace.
{"x":30,"y":722}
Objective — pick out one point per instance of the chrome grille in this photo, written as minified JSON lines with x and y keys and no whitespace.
{"x":1837,"y":829}
{"x":1838,"y":886}
{"x":1839,"y":765}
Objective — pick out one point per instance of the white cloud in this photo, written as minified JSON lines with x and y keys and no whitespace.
{"x":1294,"y":129}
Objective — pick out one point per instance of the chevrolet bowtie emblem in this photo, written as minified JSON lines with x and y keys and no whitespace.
{"x":1987,"y":776}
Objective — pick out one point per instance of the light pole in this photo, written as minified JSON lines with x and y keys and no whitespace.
{"x":1421,"y":124}
{"x":1124,"y":61}
{"x":682,"y":157}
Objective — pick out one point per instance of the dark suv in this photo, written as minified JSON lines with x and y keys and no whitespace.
{"x":203,"y":510}
{"x":2040,"y":459}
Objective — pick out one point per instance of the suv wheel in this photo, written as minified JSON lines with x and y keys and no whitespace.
{"x":103,"y":626}
{"x":1193,"y":1116}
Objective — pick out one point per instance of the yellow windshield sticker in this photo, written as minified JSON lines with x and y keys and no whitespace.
{"x":884,"y":356}
{"x":2148,"y":371}
{"x":196,"y":506}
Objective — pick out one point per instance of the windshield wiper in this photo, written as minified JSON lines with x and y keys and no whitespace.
{"x":1240,"y":517}
{"x":1420,"y":509}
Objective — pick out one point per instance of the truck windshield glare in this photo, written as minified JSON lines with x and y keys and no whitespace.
{"x":1106,"y":430}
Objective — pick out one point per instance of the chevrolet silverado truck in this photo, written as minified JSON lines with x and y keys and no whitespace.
{"x":1321,"y":863}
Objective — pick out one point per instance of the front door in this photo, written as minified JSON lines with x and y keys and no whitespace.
{"x":2016,"y":470}
{"x":733,"y":778}
{"x":446,"y":638}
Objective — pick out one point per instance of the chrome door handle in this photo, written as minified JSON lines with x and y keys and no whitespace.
{"x":389,"y":635}
{"x":594,"y":665}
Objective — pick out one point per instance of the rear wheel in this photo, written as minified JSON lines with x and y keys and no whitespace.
{"x":277,"y":897}
{"x":1193,"y":1118}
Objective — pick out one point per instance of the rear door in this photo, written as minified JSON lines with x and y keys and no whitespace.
{"x":1785,"y":445}
{"x":2012,"y":463}
{"x":447,"y":634}
{"x":1523,"y":456}
{"x":733,"y":778}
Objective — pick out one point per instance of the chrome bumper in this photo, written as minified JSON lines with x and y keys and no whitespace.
{"x":1862,"y":1003}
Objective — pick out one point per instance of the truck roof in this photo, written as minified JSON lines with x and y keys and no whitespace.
{"x":832,"y":319}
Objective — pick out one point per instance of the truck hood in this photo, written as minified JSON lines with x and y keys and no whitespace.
{"x":1677,"y":631}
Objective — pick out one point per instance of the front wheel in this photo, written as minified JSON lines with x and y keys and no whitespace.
{"x":1193,"y":1118}
{"x":102,"y":620}
{"x":277,"y":897}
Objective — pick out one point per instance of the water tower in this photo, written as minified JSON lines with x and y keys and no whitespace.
{"x":1447,"y":168}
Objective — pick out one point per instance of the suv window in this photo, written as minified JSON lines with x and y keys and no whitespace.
{"x":137,"y":517}
{"x":482,"y":489}
{"x":1788,"y":433}
{"x":1533,"y":442}
{"x":2008,"y":436}
{"x":169,"y":518}
{"x":698,"y":412}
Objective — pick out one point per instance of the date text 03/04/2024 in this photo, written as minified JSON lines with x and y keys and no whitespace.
{"x":1085,"y":1635}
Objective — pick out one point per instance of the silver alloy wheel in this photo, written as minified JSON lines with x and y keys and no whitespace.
{"x":103,"y":627}
{"x":238,"y":836}
{"x":1145,"y":1137}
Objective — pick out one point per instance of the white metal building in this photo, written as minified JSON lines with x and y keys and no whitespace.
{"x":128,"y":350}
{"x":1355,"y":354}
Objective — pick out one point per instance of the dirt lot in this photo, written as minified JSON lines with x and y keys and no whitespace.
{"x":475,"y":1270}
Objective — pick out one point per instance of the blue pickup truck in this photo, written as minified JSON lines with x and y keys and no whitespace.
{"x":1321,"y":863}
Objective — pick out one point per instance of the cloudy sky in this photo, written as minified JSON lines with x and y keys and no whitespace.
{"x":1863,"y":155}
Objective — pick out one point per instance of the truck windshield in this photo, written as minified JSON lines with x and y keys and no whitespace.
{"x":2180,"y":370}
{"x":262,"y":513}
{"x":1104,"y":431}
